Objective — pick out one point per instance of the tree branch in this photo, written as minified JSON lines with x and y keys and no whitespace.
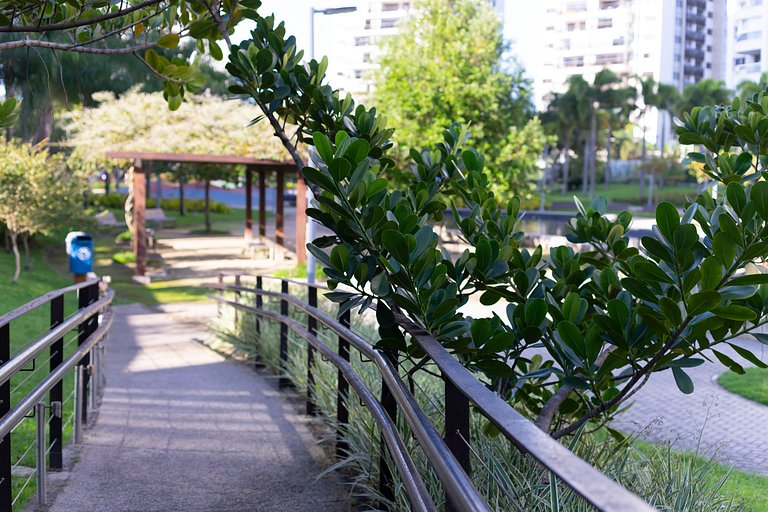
{"x":32,"y":43}
{"x":74,"y":24}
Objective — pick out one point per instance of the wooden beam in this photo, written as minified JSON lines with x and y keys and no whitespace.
{"x":301,"y":219}
{"x":248,"y":203}
{"x":262,"y":203}
{"x":195,"y":158}
{"x":139,"y":217}
{"x":279,"y":231}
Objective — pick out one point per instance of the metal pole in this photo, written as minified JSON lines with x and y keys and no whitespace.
{"x":93,"y":370}
{"x":56,"y":439}
{"x":283,"y":382}
{"x":311,"y":263}
{"x":342,"y":413}
{"x":42,"y":474}
{"x":388,"y":402}
{"x":312,"y":328}
{"x":79,"y":402}
{"x":6,"y":492}
{"x":456,"y":429}
{"x":259,"y":304}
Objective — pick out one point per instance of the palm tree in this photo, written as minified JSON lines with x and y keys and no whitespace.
{"x":746,"y":89}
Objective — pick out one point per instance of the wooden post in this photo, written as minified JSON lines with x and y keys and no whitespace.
{"x":262,"y":203}
{"x":139,"y":217}
{"x":301,"y":219}
{"x":279,"y":231}
{"x":248,"y":203}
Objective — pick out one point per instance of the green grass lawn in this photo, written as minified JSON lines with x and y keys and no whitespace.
{"x":745,"y":487}
{"x":626,"y":193}
{"x":40,"y":279}
{"x":752,"y":385}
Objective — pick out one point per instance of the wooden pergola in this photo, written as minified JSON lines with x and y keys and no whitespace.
{"x":142,"y":168}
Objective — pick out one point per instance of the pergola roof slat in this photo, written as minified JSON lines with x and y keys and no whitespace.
{"x":201,"y":159}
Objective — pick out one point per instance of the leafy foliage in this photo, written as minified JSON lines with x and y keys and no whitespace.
{"x":445,"y":65}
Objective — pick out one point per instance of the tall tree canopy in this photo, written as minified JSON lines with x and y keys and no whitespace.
{"x":446,"y":65}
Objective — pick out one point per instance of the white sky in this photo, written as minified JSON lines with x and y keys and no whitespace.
{"x":520,"y":26}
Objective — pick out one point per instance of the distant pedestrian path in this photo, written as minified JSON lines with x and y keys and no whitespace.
{"x":183,"y":429}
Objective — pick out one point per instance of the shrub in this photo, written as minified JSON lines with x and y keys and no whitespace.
{"x":112,"y":200}
{"x":117,"y":201}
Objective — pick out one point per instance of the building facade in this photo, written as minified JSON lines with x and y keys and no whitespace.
{"x":678,"y":42}
{"x":747,"y":41}
{"x":375,"y":21}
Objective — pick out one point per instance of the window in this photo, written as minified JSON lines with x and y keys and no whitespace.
{"x":738,"y":61}
{"x":646,"y":55}
{"x":573,"y":62}
{"x":388,"y":22}
{"x":362,"y":41}
{"x":566,"y":45}
{"x":573,"y":26}
{"x":367,"y":24}
{"x":609,"y":58}
{"x":389,"y":7}
{"x":618,"y":41}
{"x":550,"y":28}
{"x":358,"y":73}
{"x":604,"y":22}
{"x":576,"y":6}
{"x":366,"y":57}
{"x":609,"y":4}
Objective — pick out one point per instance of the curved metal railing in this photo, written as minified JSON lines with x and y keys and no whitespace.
{"x":90,"y":322}
{"x":448,"y":456}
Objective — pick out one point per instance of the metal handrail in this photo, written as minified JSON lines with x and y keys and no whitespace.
{"x":21,"y":409}
{"x":9,"y":369}
{"x":420,"y":498}
{"x":44,"y":299}
{"x":458,"y":485}
{"x":596,"y":488}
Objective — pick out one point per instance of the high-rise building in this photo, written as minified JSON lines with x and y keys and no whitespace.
{"x":678,"y":42}
{"x":376,"y":20}
{"x":747,"y":41}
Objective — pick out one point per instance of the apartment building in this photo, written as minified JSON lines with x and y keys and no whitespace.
{"x":376,"y":20}
{"x":677,"y":41}
{"x":747,"y":41}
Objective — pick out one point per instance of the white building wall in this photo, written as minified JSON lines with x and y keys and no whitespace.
{"x":747,"y":41}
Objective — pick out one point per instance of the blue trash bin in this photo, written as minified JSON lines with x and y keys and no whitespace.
{"x":80,"y":252}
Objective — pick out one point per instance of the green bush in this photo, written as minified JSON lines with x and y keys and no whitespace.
{"x":191,"y":205}
{"x":113,"y":200}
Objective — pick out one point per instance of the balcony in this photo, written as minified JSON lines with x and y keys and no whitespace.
{"x":694,"y":53}
{"x":699,"y":4}
{"x":695,"y":19}
{"x":695,"y":36}
{"x":696,"y":71}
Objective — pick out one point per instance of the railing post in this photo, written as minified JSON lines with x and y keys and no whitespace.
{"x":283,"y":381}
{"x":57,"y":392}
{"x":237,"y":298}
{"x":312,"y":328}
{"x":259,"y":305}
{"x":42,"y":474}
{"x":388,"y":402}
{"x":6,"y":493}
{"x":85,"y":297}
{"x":342,"y":413}
{"x":457,"y":435}
{"x":79,"y":403}
{"x":221,"y":294}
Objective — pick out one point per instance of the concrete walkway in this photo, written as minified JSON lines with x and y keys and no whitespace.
{"x":183,"y":429}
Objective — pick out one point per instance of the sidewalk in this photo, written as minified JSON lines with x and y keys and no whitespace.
{"x":183,"y":429}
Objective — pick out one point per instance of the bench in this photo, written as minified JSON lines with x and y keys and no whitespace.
{"x":273,"y":251}
{"x":157,"y":217}
{"x":107,"y":218}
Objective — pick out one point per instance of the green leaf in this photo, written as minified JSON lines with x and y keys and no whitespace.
{"x":737,"y":198}
{"x":671,"y":310}
{"x":711,"y":273}
{"x":571,"y":336}
{"x":759,"y":195}
{"x":749,"y":356}
{"x":535,"y":312}
{"x":340,"y":257}
{"x":646,"y":270}
{"x":734,"y":312}
{"x":168,"y":41}
{"x":215,"y":50}
{"x":703,"y":301}
{"x":749,"y":279}
{"x":730,"y":363}
{"x":685,"y":237}
{"x":396,"y":244}
{"x":323,"y":146}
{"x":683,"y":381}
{"x":724,"y":248}
{"x":667,"y":218}
{"x":375,"y":187}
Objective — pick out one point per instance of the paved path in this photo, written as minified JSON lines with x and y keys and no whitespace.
{"x":727,"y":426}
{"x":183,"y":429}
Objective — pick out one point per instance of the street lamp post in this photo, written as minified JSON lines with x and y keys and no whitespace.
{"x":311,"y":224}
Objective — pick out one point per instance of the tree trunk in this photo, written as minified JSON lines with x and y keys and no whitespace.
{"x":8,"y":82}
{"x":207,"y":206}
{"x":663,"y":130}
{"x":585,"y":167}
{"x":567,"y":163}
{"x":27,"y":257}
{"x":15,"y":246}
{"x":107,"y":179}
{"x":45,"y":122}
{"x":592,"y":154}
{"x":159,"y":192}
{"x":181,"y":195}
{"x":608,"y":159}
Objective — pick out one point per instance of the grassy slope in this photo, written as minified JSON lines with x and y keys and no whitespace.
{"x":623,"y":192}
{"x":752,"y":385}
